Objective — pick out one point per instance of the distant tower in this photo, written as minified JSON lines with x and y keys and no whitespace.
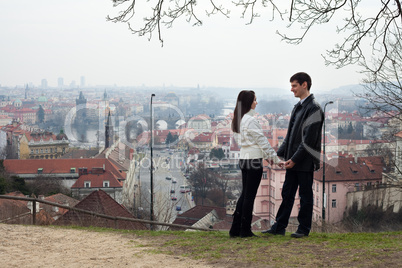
{"x":26,"y":92}
{"x":105,"y":95}
{"x":82,"y":81}
{"x":73,"y":84}
{"x":81,"y":100}
{"x":81,"y":106}
{"x":44,"y":83}
{"x":108,"y":132}
{"x":60,"y":82}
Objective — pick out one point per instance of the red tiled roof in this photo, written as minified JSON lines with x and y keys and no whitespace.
{"x":196,"y":213}
{"x":45,"y":136}
{"x":100,"y":202}
{"x":57,"y":166}
{"x":14,"y":209}
{"x":59,"y":199}
{"x":223,"y":139}
{"x":347,"y":142}
{"x":97,"y":180}
{"x":204,"y":137}
{"x":201,"y":117}
{"x":346,"y":169}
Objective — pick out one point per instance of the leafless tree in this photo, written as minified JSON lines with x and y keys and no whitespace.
{"x":370,"y":31}
{"x":222,"y":182}
{"x":202,"y":181}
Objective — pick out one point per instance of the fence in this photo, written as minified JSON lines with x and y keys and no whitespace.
{"x":92,"y":213}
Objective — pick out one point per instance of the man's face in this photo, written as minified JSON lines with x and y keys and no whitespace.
{"x":300,"y":91}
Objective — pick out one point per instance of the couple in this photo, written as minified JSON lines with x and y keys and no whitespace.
{"x":301,"y":151}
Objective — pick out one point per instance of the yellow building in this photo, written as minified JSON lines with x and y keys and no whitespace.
{"x":43,"y":145}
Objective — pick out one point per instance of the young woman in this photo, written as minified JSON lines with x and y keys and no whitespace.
{"x":254,"y":148}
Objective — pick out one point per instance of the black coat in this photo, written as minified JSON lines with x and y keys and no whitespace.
{"x":302,"y":143}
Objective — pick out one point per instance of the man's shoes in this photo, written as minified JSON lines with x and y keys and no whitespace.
{"x":250,"y":234}
{"x":272,"y":232}
{"x":298,"y":235}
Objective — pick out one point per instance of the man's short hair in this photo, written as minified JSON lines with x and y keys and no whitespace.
{"x":301,"y":78}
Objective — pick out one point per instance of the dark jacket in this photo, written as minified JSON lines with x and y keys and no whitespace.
{"x":302,"y":143}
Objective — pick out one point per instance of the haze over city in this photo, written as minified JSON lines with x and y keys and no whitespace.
{"x":70,"y":39}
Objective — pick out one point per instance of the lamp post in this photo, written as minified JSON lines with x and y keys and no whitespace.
{"x":323,"y":168}
{"x":152,"y":165}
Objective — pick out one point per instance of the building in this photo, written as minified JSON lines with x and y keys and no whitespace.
{"x":268,"y":198}
{"x":200,"y":216}
{"x":60,"y":82}
{"x":100,"y":202}
{"x":43,"y":145}
{"x":204,"y":141}
{"x":342,"y":176}
{"x":82,"y":81}
{"x":200,"y":123}
{"x":24,"y":142}
{"x":83,"y":176}
{"x":44,"y":84}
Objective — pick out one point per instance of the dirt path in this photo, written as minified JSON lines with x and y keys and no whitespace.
{"x":32,"y":246}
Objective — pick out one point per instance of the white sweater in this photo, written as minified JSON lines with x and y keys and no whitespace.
{"x":252,"y":141}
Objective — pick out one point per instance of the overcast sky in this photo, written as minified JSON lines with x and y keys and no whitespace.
{"x":71,"y":38}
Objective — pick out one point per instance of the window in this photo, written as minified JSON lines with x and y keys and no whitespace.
{"x":51,"y":150}
{"x":106,"y":184}
{"x":334,"y":188}
{"x":334,"y":203}
{"x":264,"y":175}
{"x":40,"y":170}
{"x":41,"y":151}
{"x":37,"y":150}
{"x":264,"y":190}
{"x":273,"y":176}
{"x":87,"y":184}
{"x":46,"y":150}
{"x":317,"y":187}
{"x":72,"y":170}
{"x":318,"y":204}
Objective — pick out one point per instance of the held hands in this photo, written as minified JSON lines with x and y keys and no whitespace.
{"x":289,"y":164}
{"x":281,"y":164}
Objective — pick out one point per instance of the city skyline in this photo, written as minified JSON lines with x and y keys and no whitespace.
{"x":40,"y":42}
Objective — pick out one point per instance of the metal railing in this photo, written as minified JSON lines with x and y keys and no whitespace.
{"x":92,"y":213}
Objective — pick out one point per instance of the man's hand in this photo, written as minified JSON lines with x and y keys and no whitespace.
{"x":289,"y":164}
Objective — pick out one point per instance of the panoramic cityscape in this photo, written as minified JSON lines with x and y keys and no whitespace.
{"x":62,"y":134}
{"x":200,"y":133}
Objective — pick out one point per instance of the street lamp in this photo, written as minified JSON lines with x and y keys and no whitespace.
{"x":152,"y":166}
{"x":323,"y":168}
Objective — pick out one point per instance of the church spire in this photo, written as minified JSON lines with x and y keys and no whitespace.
{"x":108,"y":132}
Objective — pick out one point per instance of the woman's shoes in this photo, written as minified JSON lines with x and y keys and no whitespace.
{"x":249,"y":234}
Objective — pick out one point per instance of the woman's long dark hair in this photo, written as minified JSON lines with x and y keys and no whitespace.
{"x":243,"y":106}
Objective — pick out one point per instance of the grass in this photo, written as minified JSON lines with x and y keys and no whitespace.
{"x":317,"y":250}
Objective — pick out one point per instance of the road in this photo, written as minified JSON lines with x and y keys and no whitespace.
{"x":167,"y":164}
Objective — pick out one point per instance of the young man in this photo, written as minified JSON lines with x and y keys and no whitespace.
{"x":301,"y":150}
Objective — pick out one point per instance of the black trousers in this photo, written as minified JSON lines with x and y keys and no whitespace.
{"x":251,"y":170}
{"x":293,"y":180}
